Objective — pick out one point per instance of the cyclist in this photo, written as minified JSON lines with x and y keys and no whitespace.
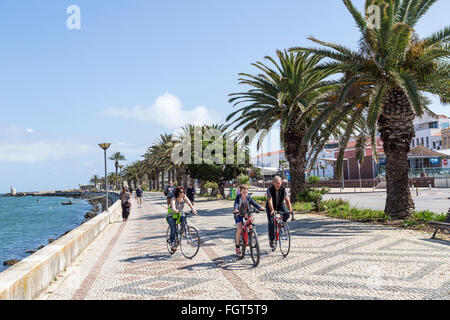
{"x":277,"y":199}
{"x":168,"y":192}
{"x":176,"y":206}
{"x":242,"y":206}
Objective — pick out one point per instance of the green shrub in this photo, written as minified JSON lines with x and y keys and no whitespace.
{"x":302,"y":206}
{"x":314,"y":195}
{"x":338,"y":208}
{"x":423,"y":217}
{"x":209,"y":184}
{"x":260,"y":198}
{"x":243,"y":179}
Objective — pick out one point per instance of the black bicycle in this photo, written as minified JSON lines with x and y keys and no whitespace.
{"x":186,"y":237}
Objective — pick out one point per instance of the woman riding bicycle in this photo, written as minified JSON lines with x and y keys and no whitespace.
{"x":175,"y":208}
{"x":242,"y":206}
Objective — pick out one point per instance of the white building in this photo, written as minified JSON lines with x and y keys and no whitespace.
{"x":428,"y":131}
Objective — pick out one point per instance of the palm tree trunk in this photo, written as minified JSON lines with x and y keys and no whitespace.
{"x":157,"y":181}
{"x":162,"y":180}
{"x":397,"y":130}
{"x":178,"y":177}
{"x":296,"y":152}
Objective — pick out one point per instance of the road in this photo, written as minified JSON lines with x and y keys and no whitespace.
{"x":330,"y":259}
{"x":436,"y":200}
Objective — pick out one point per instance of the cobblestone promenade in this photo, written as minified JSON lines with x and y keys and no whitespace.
{"x":329,"y":259}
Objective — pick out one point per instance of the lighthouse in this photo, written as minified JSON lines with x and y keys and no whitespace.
{"x":13,"y":191}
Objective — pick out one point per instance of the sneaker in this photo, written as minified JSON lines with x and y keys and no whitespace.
{"x":272,"y":246}
{"x":238,"y":251}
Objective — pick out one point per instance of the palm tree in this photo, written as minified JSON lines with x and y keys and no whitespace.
{"x":94,"y":180}
{"x":281,"y":95}
{"x":116,"y":157}
{"x":384,"y":84}
{"x":113,"y":179}
{"x":158,"y":157}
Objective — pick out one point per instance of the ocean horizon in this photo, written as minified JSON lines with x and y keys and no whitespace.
{"x":29,"y":222}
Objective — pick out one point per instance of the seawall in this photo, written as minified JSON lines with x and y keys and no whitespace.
{"x":28,"y":278}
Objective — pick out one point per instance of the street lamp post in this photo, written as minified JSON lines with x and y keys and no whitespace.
{"x":105,"y":147}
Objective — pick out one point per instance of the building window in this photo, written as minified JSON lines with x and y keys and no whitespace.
{"x":433,"y":125}
{"x":417,"y":141}
{"x":412,"y":144}
{"x":421,"y":141}
{"x":434,"y":147}
{"x":428,"y":142}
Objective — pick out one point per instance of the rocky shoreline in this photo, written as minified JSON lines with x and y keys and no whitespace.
{"x":96,"y":199}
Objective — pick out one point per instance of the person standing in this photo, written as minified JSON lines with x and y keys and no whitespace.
{"x":125,"y":199}
{"x":277,"y":199}
{"x":190,"y":193}
{"x":168,"y":192}
{"x":139,"y":196}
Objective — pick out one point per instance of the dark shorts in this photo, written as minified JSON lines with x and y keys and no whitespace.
{"x":238,"y":218}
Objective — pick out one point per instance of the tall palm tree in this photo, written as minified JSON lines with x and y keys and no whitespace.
{"x":390,"y":73}
{"x":280,"y":95}
{"x":116,"y":157}
{"x":158,"y":156}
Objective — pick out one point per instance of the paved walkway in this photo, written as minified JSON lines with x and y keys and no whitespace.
{"x":330,"y":259}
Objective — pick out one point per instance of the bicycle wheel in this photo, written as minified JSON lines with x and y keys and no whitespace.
{"x":254,"y":247}
{"x":169,"y":245}
{"x":190,"y":242}
{"x":285,"y":239}
{"x":242,"y":244}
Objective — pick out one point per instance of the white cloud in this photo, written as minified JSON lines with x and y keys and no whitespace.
{"x":166,"y":111}
{"x":31,"y":152}
{"x":23,"y":145}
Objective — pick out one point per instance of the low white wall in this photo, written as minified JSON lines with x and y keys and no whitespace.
{"x":28,"y":278}
{"x":442,"y":183}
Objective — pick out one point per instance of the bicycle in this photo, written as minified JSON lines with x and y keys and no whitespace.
{"x":282,"y":235}
{"x":186,"y":237}
{"x":249,"y":238}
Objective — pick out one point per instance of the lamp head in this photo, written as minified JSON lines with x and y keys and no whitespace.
{"x":104,"y":146}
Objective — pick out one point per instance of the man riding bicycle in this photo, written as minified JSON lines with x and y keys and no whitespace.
{"x":242,"y":209}
{"x":276,"y":198}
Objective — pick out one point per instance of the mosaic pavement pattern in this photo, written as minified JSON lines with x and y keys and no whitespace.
{"x":329,"y":259}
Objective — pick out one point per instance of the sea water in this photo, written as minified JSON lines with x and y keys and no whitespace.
{"x":28,"y":222}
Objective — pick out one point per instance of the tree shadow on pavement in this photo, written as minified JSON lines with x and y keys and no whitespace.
{"x":229,"y":262}
{"x":149,"y":257}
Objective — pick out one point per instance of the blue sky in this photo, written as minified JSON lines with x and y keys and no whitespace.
{"x":131,"y":67}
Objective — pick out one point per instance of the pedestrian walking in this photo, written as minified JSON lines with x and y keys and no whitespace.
{"x":169,"y":192}
{"x":125,"y":199}
{"x":190,"y":193}
{"x":139,"y":196}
